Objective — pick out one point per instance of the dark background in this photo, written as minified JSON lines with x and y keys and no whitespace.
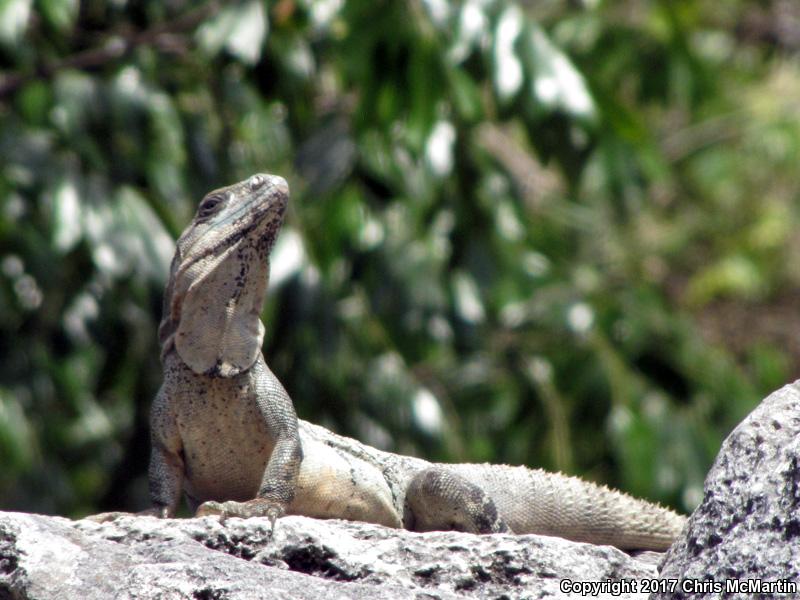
{"x":557,"y":233}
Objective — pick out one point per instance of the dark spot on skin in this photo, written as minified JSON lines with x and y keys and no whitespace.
{"x":488,"y":521}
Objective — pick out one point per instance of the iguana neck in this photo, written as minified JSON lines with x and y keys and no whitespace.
{"x":218,"y":278}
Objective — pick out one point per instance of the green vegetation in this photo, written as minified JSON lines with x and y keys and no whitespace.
{"x":561,"y":234}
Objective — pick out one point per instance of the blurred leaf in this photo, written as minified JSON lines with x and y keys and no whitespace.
{"x":555,"y":83}
{"x":14,"y":16}
{"x":465,"y":94}
{"x":241,"y":29}
{"x":733,"y":275}
{"x":76,"y":98}
{"x":60,"y":14}
{"x":770,"y":366}
{"x":126,"y":237}
{"x":166,"y":157}
{"x":17,"y":444}
{"x":472,"y":28}
{"x":67,"y":222}
{"x":508,"y":72}
{"x":34,"y":102}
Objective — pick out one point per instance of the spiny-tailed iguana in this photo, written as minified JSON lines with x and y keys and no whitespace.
{"x":225,"y":432}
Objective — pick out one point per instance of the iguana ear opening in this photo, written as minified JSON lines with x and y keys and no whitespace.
{"x":217,"y":303}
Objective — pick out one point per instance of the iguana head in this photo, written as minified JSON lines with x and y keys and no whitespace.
{"x":219,"y":275}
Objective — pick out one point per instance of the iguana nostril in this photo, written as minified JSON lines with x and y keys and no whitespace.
{"x":256,"y":181}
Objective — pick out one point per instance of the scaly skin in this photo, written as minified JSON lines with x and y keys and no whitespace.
{"x":223,"y":429}
{"x":343,"y":478}
{"x":225,"y":432}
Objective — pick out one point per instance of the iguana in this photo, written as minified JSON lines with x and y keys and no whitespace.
{"x":225,"y":432}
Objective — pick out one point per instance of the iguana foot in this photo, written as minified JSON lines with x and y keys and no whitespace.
{"x":252,"y":508}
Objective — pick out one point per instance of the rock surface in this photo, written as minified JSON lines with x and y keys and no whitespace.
{"x":143,"y":557}
{"x":747,"y":529}
{"x":748,"y":525}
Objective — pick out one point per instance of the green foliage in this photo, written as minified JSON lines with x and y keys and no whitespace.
{"x":559,"y":235}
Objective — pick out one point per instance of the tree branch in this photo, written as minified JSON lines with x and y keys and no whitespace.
{"x":166,"y":37}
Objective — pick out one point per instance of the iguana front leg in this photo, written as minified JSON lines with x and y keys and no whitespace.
{"x":276,"y":491}
{"x":166,"y":471}
{"x":279,"y":482}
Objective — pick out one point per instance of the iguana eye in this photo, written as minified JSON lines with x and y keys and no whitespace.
{"x":209,"y":206}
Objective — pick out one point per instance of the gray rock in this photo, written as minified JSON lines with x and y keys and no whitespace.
{"x":748,"y":524}
{"x":142,"y":557}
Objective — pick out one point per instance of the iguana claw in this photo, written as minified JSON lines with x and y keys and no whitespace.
{"x":244,"y":510}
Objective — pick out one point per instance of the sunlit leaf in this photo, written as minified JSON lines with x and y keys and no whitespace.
{"x":439,"y":148}
{"x":67,"y":217}
{"x":240,"y":28}
{"x":467,"y":298}
{"x":127,"y":238}
{"x":14,"y":15}
{"x":473,"y":28}
{"x":736,"y":275}
{"x":555,"y":82}
{"x":508,"y":72}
